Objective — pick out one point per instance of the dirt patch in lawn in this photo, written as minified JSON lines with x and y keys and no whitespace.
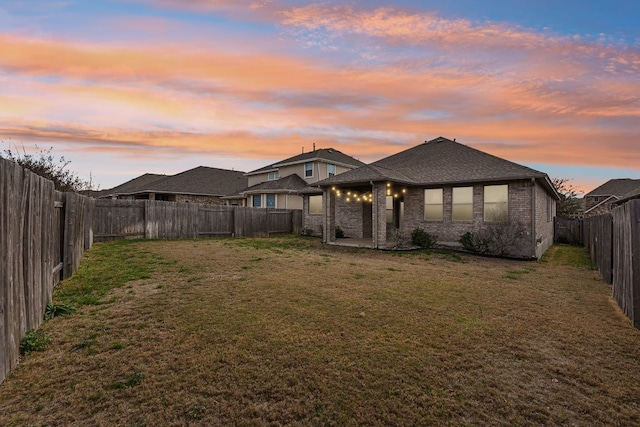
{"x":287,"y":331}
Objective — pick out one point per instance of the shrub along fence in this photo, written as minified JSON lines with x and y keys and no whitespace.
{"x":43,"y":235}
{"x":613,"y":241}
{"x":151,"y":219}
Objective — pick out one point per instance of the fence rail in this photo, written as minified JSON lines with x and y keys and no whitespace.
{"x":151,"y":219}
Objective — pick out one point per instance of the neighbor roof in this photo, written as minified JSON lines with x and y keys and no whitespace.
{"x":616,"y":187}
{"x":201,"y":181}
{"x":288,"y":183}
{"x":133,"y":186}
{"x":440,"y":161}
{"x":327,"y":155}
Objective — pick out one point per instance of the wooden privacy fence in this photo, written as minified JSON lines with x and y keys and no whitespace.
{"x":43,"y":235}
{"x":152,"y":219}
{"x":613,"y":241}
{"x":569,"y":231}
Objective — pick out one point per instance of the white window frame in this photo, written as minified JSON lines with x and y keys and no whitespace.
{"x":308,"y":167}
{"x":273,"y":176}
{"x":269,"y":196}
{"x":331,"y":170}
{"x":254,"y":198}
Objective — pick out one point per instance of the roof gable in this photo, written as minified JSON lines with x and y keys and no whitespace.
{"x":326,"y":155}
{"x":441,"y":161}
{"x":287,"y":183}
{"x":616,"y":187}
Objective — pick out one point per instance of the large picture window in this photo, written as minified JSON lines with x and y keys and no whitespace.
{"x":462,"y":204}
{"x":315,"y":205}
{"x":496,"y":203}
{"x":433,"y":204}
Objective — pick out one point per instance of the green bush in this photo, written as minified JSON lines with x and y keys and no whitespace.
{"x":467,"y":241}
{"x":339,"y":233}
{"x":421,"y":238}
{"x":55,"y":310}
{"x":33,"y":341}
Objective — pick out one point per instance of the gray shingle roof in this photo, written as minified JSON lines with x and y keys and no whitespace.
{"x":199,"y":181}
{"x":285,"y":184}
{"x":133,"y":186}
{"x":437,"y":162}
{"x":328,"y":155}
{"x":616,"y":187}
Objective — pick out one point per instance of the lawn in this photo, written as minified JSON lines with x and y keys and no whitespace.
{"x":286,"y":331}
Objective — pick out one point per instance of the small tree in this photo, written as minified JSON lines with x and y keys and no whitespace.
{"x":45,"y":164}
{"x":569,"y":204}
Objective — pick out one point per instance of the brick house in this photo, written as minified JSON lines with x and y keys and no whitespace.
{"x":282,"y":185}
{"x":198,"y":185}
{"x":442,"y":186}
{"x":601,"y":199}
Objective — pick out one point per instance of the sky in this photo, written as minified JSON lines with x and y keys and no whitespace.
{"x":126,"y":87}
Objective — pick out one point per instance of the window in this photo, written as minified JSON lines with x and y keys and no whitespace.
{"x":256,"y":201}
{"x":496,"y":203}
{"x":433,"y":204}
{"x":271,"y":200}
{"x":462,"y":204}
{"x":315,"y":205}
{"x":389,"y":209}
{"x":331,"y":170}
{"x":273,"y":176}
{"x":308,"y":170}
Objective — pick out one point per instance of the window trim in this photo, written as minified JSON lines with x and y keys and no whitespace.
{"x":308,"y":170}
{"x":309,"y":205}
{"x":275,"y":200}
{"x":253,"y":200}
{"x":460,"y":205}
{"x":485,"y":203}
{"x":272,"y":176}
{"x":329,"y":167}
{"x":441,"y":204}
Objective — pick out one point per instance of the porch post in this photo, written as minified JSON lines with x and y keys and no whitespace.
{"x":328,"y":215}
{"x":379,"y":213}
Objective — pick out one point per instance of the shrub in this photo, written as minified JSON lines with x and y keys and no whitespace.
{"x":339,"y":233}
{"x":33,"y":341}
{"x":55,"y":310}
{"x":421,"y":238}
{"x":399,"y":238}
{"x":499,"y":239}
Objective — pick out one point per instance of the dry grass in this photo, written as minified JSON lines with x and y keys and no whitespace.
{"x":285,"y":331}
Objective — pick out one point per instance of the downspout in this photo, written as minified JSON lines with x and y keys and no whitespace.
{"x":533,"y":217}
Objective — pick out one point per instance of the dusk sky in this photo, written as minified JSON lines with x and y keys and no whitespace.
{"x":125,"y":87}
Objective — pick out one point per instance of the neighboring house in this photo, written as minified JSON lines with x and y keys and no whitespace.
{"x":443,"y":187}
{"x":631,"y":195}
{"x":198,"y":185}
{"x":283,"y":184}
{"x":601,"y":199}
